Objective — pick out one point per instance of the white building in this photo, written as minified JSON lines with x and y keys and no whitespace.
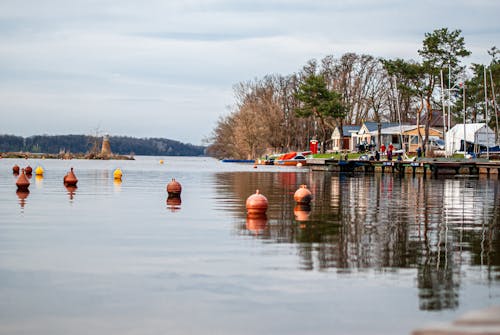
{"x":477,"y":134}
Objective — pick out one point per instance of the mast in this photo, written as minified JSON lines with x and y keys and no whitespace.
{"x":494,"y":106}
{"x":444,"y":115}
{"x":399,"y":117}
{"x":486,"y":113}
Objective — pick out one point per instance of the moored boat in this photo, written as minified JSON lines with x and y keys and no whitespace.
{"x":292,"y":158}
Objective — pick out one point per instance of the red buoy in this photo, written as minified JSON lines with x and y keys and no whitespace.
{"x":22,"y":182}
{"x":70,"y":178}
{"x":302,"y":195}
{"x":15,"y":169}
{"x":28,"y":170}
{"x":256,"y":204}
{"x":174,"y":188}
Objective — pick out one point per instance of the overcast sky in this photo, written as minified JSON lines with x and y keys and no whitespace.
{"x":166,"y":68}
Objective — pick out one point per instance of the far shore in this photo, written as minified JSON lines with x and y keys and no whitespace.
{"x":66,"y":155}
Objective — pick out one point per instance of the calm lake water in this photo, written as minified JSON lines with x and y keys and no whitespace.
{"x":372,"y":255}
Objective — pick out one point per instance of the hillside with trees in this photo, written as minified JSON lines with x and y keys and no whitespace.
{"x":121,"y":145}
{"x":280,"y":113}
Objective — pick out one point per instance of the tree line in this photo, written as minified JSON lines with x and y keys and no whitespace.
{"x":122,"y":145}
{"x":279,"y":113}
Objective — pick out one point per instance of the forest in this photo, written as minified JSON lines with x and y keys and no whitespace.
{"x":280,"y":113}
{"x":122,"y":145}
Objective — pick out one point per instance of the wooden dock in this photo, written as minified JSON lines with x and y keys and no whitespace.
{"x":482,"y":322}
{"x":429,"y":166}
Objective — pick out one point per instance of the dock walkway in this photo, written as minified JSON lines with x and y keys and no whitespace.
{"x":425,"y":166}
{"x":482,"y":322}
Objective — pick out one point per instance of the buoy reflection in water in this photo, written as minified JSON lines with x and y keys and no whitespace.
{"x":256,"y":223}
{"x":22,"y":195}
{"x":117,"y":183}
{"x":174,"y":203}
{"x":71,"y":191}
{"x":302,"y":212}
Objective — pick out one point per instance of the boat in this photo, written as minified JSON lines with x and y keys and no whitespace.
{"x":292,"y":158}
{"x":238,"y":161}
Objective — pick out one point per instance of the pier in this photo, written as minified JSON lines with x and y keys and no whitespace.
{"x":426,"y":166}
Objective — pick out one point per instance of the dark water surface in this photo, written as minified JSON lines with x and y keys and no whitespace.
{"x":372,"y":255}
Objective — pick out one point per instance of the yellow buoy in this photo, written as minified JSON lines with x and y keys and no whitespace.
{"x":39,"y":171}
{"x":161,"y":161}
{"x":117,"y":174}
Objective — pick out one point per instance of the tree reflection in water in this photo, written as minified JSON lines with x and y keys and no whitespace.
{"x":436,"y":226}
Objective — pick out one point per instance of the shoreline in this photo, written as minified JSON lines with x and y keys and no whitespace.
{"x":67,"y":155}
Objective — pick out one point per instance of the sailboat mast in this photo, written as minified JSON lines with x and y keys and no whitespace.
{"x":494,"y":106}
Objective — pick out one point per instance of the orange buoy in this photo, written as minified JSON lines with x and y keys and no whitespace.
{"x":70,"y":178}
{"x":302,"y":195}
{"x":22,"y":182}
{"x":15,"y":169}
{"x":174,"y":188}
{"x":28,"y":170}
{"x":256,"y":204}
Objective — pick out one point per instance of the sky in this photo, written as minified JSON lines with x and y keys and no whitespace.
{"x":166,"y":68}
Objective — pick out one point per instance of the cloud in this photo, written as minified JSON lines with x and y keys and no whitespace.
{"x":136,"y":68}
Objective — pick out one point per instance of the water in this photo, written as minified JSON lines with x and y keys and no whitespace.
{"x":372,"y":255}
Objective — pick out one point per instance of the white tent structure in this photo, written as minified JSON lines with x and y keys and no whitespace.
{"x":478,"y":134}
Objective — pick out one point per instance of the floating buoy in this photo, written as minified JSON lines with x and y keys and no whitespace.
{"x":15,"y":169}
{"x":22,"y":182}
{"x":302,"y":212}
{"x":303,"y":195}
{"x":70,"y":178}
{"x":117,"y":174}
{"x":39,"y":171}
{"x":28,"y":170}
{"x":256,"y":204}
{"x":174,"y":188}
{"x":161,"y":161}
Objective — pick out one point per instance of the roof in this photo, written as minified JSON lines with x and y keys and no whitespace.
{"x":394,"y":130}
{"x":348,"y":130}
{"x":470,"y":128}
{"x":373,"y":126}
{"x":437,"y":119}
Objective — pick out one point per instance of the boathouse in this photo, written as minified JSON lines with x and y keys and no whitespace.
{"x":477,"y":135}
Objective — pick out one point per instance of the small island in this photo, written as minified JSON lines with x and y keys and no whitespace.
{"x":92,"y":147}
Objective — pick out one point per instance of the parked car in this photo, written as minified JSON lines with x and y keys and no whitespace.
{"x":436,"y":143}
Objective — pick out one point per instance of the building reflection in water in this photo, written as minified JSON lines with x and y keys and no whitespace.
{"x":435,"y":226}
